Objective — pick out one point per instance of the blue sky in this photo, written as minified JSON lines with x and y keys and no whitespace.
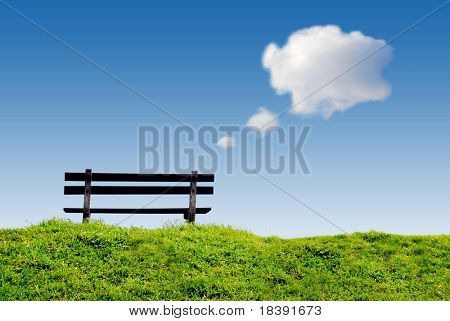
{"x":380,"y":165}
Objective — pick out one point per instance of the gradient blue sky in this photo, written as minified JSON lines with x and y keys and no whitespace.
{"x":381,"y":165}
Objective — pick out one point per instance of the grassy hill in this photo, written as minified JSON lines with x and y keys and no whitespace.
{"x":57,"y":260}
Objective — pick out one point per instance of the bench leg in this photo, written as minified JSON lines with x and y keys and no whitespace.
{"x":87,"y":196}
{"x":192,"y":197}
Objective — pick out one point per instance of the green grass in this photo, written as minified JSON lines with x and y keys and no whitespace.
{"x":58,"y":260}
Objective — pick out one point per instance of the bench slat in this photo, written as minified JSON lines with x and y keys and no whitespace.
{"x":199,"y":210}
{"x":135,"y":177}
{"x":137,"y":190}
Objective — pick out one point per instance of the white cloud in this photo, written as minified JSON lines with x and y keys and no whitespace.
{"x":314,"y":56}
{"x":263,"y":120}
{"x":226,"y":142}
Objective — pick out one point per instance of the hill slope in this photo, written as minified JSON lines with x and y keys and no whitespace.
{"x":57,"y":260}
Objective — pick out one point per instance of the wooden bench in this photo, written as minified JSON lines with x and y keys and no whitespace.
{"x":88,"y":189}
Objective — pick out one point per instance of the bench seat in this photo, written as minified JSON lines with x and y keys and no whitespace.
{"x":198,"y":210}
